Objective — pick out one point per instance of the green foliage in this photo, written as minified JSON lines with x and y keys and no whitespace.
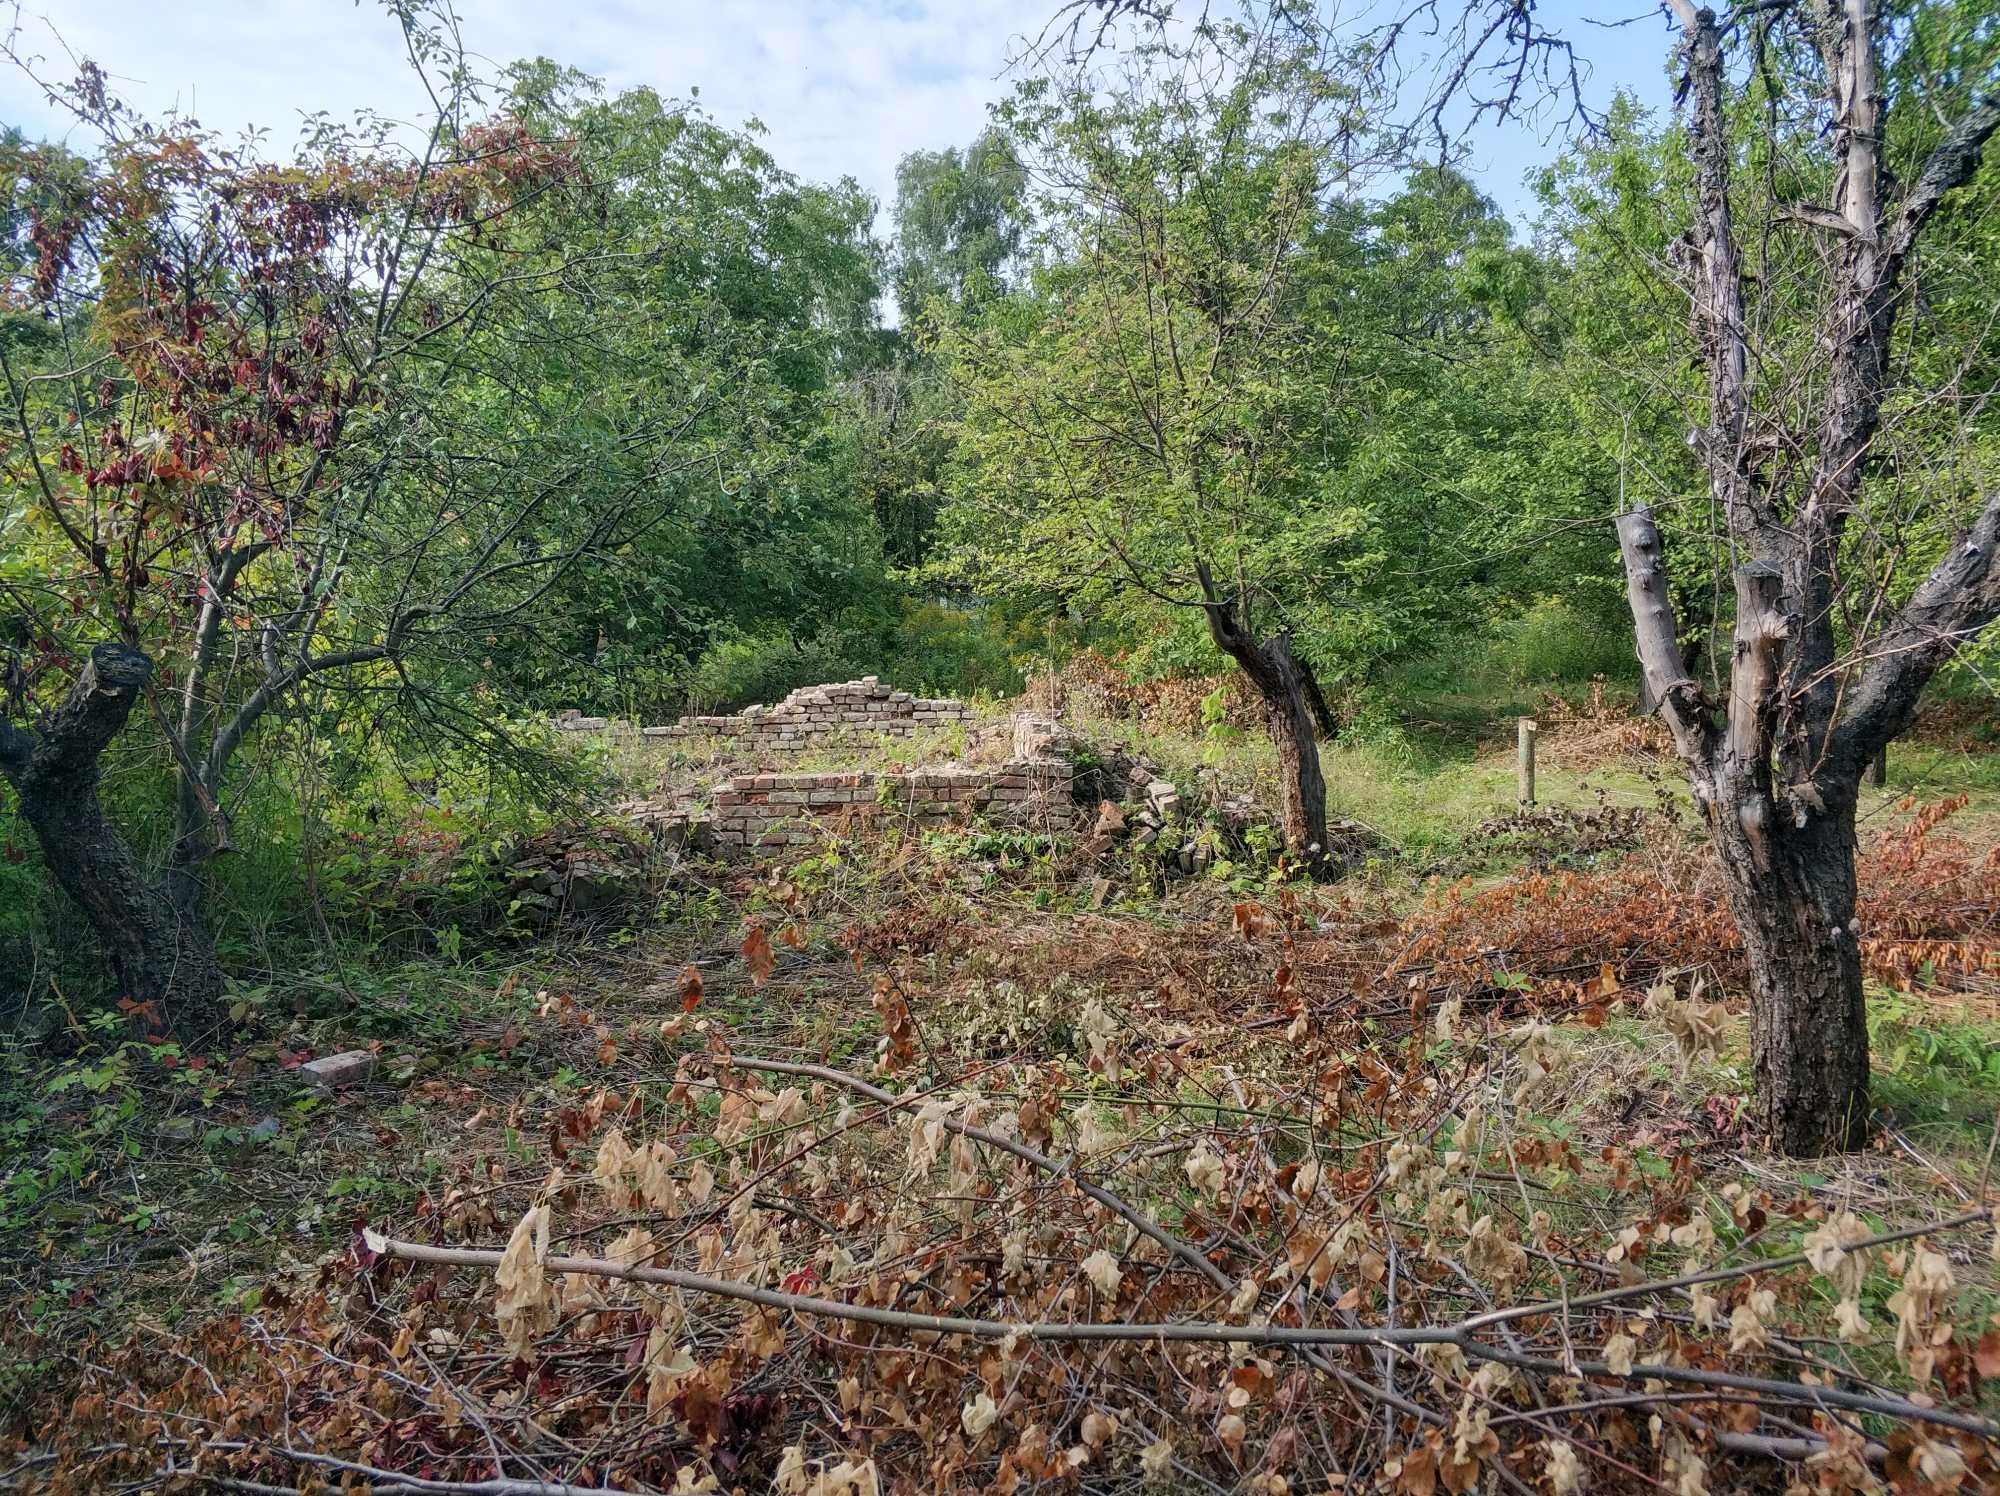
{"x":959,"y":223}
{"x":938,"y":649}
{"x":1228,"y":360}
{"x":1906,"y":1040}
{"x":1552,"y":644}
{"x":744,"y":671}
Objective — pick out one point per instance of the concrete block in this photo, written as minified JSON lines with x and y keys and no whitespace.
{"x":346,"y":1069}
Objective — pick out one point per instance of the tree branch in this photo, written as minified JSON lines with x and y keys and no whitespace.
{"x":72,"y":737}
{"x":1182,"y":1331}
{"x":1951,"y":165}
{"x":1716,"y":293}
{"x":1950,"y":607}
{"x":1139,"y":1221}
{"x":1677,"y":698}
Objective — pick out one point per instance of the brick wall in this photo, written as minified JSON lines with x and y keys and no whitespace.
{"x":770,"y":809}
{"x":813,"y":712}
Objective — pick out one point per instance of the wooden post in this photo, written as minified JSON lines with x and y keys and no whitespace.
{"x":1526,"y":761}
{"x":1878,"y":771}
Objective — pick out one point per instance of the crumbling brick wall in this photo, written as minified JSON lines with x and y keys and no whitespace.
{"x":768,"y":809}
{"x":812,"y":712}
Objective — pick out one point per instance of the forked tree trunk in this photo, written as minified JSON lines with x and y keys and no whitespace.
{"x":1787,"y":856}
{"x":1776,"y":769}
{"x":1293,"y":710}
{"x":159,"y":953}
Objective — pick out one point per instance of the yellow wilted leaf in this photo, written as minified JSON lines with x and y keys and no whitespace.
{"x":1565,"y":1470}
{"x":979,"y":1415}
{"x":763,"y":1333}
{"x":1850,"y":1322}
{"x":666,"y":1363}
{"x":656,"y":1179}
{"x":522,"y":1303}
{"x":1205,"y":1170}
{"x":792,"y":1479}
{"x":1749,"y":1321}
{"x":614,"y":1159}
{"x":1704,"y":1307}
{"x":1828,"y":1250}
{"x":1101,"y":1268}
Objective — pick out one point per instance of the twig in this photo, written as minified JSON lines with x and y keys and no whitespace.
{"x":1716,"y":1275}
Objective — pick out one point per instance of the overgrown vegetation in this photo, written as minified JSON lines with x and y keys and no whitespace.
{"x":1291,"y":1107}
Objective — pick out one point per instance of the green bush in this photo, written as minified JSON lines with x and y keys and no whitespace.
{"x":942,"y":650}
{"x":746,"y":671}
{"x":925,"y":646}
{"x":1556,"y":643}
{"x":1553,"y":645}
{"x":342,"y":828}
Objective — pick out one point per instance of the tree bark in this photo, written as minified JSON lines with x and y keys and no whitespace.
{"x":1293,"y":706}
{"x":1791,"y":889}
{"x":1776,"y":770}
{"x":1289,"y":715}
{"x":158,"y":953}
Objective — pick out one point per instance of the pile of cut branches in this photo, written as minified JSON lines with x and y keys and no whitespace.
{"x":1340,"y":1255}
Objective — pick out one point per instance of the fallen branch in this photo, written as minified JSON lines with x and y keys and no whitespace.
{"x":1138,"y":1219}
{"x":381,"y":1482}
{"x":1460,"y":1334}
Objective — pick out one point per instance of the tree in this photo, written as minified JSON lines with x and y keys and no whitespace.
{"x":959,"y":223}
{"x":1825,"y":142}
{"x":1826,"y":669}
{"x":1149,"y":420}
{"x":769,"y":283}
{"x":344,"y":420}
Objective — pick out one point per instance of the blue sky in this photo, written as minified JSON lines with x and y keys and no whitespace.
{"x":843,"y":87}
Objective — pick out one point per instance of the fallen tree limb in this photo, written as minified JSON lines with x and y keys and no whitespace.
{"x":1141,"y":1222}
{"x":381,"y":1482}
{"x":1138,"y":1219}
{"x":1460,"y":1334}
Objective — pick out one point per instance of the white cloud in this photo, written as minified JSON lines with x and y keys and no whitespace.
{"x":842,"y":87}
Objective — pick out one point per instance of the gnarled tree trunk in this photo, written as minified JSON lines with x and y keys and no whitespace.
{"x":1787,"y":855}
{"x":1787,"y":844}
{"x":159,"y":953}
{"x":1776,"y":769}
{"x":1293,"y":711}
{"x":1808,"y":1022}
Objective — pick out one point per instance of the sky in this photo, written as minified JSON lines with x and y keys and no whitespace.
{"x":843,"y":87}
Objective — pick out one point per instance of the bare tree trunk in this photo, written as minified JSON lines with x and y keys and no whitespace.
{"x":1288,"y":713}
{"x":1787,"y":857}
{"x":1293,"y":709}
{"x":1808,"y":1022}
{"x":158,"y":953}
{"x":1777,"y":770}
